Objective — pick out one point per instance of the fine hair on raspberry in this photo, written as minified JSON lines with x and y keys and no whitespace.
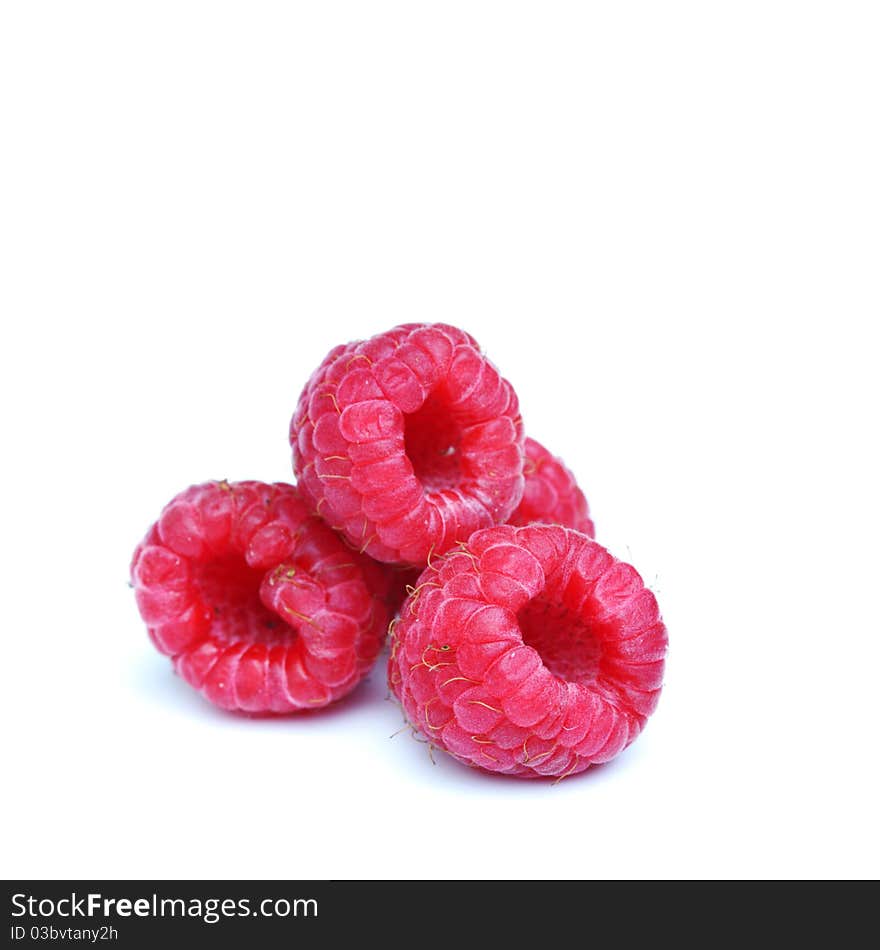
{"x":261,"y":607}
{"x":409,"y":442}
{"x":530,"y":651}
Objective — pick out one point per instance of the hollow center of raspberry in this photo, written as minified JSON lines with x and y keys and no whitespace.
{"x":230,"y":589}
{"x":433,"y":445}
{"x":566,"y":641}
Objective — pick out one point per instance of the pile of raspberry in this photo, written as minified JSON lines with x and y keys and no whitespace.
{"x":423,"y":514}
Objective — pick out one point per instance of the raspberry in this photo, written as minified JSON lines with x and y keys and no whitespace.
{"x":260,"y":605}
{"x":409,"y":442}
{"x":529,"y":651}
{"x":551,"y":493}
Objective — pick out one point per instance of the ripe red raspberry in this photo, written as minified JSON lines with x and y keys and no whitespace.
{"x":529,"y":651}
{"x":551,"y":493}
{"x":409,"y":442}
{"x":260,"y":605}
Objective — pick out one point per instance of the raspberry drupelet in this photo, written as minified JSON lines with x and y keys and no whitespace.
{"x":261,"y":607}
{"x":530,"y":651}
{"x":409,"y":442}
{"x":551,"y":495}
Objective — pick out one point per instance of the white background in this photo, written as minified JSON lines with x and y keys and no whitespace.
{"x":662,"y":221}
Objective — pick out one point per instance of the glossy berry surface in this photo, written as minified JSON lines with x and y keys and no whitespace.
{"x":409,"y":442}
{"x":552,"y":495}
{"x":261,"y":607}
{"x":529,"y":651}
